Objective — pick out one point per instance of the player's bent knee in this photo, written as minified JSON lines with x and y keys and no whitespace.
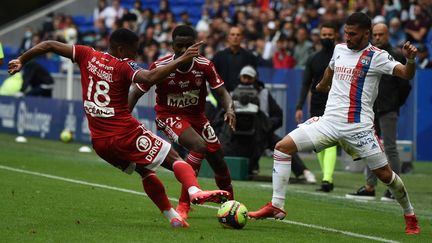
{"x":286,"y":145}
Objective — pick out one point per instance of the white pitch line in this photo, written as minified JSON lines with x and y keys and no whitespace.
{"x":207,"y":206}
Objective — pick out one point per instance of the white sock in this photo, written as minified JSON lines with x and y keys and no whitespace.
{"x":281,"y":175}
{"x":398,"y":190}
{"x":171,"y":214}
{"x":193,"y":189}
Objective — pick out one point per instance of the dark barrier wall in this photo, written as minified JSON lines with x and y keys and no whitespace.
{"x":422,"y":115}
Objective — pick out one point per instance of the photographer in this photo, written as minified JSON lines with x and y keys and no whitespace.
{"x":258,"y":116}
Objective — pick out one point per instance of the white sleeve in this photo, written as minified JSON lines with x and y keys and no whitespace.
{"x":333,"y":59}
{"x":385,"y":63}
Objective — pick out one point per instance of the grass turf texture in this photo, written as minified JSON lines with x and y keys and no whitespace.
{"x":39,"y":209}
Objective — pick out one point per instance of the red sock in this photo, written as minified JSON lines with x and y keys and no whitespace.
{"x":156,"y":191}
{"x":194,"y":159}
{"x":185,"y":174}
{"x":223,"y":181}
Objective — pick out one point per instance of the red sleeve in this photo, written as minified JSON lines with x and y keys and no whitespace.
{"x":213,"y":77}
{"x":80,"y":53}
{"x":144,"y":87}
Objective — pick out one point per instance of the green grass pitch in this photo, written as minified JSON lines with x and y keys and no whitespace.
{"x":51,"y":193}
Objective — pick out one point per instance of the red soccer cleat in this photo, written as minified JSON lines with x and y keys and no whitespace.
{"x":216,"y":196}
{"x":268,"y":211}
{"x":411,"y":223}
{"x":177,"y":223}
{"x":183,"y":209}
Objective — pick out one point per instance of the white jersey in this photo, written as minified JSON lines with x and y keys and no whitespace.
{"x":355,"y":82}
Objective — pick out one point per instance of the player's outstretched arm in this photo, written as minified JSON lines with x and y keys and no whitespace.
{"x":227,"y":105}
{"x":158,"y":74}
{"x":134,"y":95}
{"x":325,"y":83}
{"x":407,"y":71}
{"x":44,"y":47}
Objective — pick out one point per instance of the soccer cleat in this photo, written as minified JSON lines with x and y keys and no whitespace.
{"x":310,"y":177}
{"x":326,"y":187}
{"x":411,"y":225}
{"x":183,"y":209}
{"x":177,"y":223}
{"x":362,"y":194}
{"x":388,"y":196}
{"x":268,"y":211}
{"x":216,"y":196}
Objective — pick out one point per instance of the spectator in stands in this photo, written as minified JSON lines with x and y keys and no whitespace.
{"x":26,"y":41}
{"x":396,"y":32}
{"x":146,"y":20}
{"x":112,"y":13}
{"x":423,"y":57}
{"x":258,"y":116}
{"x":137,"y":9}
{"x":101,"y":5}
{"x":282,"y":57}
{"x":37,"y":80}
{"x":184,"y":18}
{"x":232,"y":59}
{"x":416,"y":29}
{"x":303,"y":48}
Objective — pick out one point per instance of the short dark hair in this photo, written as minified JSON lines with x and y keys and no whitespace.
{"x":123,"y":36}
{"x":183,"y":30}
{"x":330,"y":25}
{"x":361,"y":19}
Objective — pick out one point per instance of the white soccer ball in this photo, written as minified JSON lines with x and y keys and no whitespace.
{"x":232,"y":214}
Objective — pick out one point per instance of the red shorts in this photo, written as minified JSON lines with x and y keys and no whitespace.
{"x":173,"y":127}
{"x":140,"y":146}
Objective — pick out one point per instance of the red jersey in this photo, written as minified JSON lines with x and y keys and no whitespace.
{"x":184,"y":93}
{"x":105,"y":82}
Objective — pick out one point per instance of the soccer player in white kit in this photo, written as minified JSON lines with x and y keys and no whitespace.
{"x":353,"y":73}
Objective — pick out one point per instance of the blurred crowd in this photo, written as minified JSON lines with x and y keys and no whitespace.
{"x":281,"y":34}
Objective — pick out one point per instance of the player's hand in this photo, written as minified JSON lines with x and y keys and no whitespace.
{"x":14,"y":66}
{"x":322,"y":88}
{"x":409,"y":50}
{"x":299,"y":116}
{"x":191,"y":52}
{"x":230,"y":118}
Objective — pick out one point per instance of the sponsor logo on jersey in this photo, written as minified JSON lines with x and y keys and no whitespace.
{"x":96,"y":111}
{"x":185,"y":99}
{"x":184,"y":84}
{"x":134,"y":65}
{"x":171,"y":82}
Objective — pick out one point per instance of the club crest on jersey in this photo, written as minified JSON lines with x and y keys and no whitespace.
{"x":184,"y":84}
{"x":365,"y":60}
{"x":143,"y":144}
{"x":134,"y":65}
{"x":198,"y":82}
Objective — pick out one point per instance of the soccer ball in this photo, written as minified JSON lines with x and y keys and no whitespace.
{"x":66,"y":136}
{"x":232,"y":214}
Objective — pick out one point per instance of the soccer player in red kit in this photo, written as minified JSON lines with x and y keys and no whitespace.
{"x":117,"y":136}
{"x":180,"y":104}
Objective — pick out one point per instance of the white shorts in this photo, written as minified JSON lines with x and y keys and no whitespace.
{"x":358,"y":139}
